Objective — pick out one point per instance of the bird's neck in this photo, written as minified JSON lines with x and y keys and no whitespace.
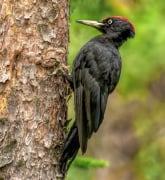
{"x":116,"y":38}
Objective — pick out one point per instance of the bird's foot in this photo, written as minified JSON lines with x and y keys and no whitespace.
{"x":60,"y":68}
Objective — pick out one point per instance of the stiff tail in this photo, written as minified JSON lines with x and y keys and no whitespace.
{"x":70,"y":150}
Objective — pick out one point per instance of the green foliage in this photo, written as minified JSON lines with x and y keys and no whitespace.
{"x":149,"y":164}
{"x":87,"y":162}
{"x":143,"y":62}
{"x":143,"y":56}
{"x":83,"y":166}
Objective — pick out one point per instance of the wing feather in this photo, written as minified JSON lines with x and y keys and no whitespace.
{"x":91,"y":89}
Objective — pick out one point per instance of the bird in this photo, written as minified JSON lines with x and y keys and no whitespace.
{"x":95,"y":74}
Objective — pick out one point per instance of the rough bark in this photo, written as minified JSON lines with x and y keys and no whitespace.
{"x":33,"y":45}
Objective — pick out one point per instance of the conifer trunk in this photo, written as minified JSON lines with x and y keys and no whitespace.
{"x":33,"y":47}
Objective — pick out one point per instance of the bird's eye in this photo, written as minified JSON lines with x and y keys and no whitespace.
{"x":109,"y":21}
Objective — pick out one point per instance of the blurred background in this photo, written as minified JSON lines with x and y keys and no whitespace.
{"x":132,"y":136}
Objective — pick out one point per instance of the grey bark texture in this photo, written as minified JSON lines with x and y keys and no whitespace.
{"x":33,"y":110}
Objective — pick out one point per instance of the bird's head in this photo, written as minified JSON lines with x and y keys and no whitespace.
{"x":115,"y":26}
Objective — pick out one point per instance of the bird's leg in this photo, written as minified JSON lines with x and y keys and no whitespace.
{"x":59,"y":68}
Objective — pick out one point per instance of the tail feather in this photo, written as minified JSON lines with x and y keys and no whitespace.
{"x":70,"y":150}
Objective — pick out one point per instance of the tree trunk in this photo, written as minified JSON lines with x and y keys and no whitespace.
{"x":33,"y":111}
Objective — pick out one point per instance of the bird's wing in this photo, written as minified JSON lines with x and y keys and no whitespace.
{"x":90,"y":92}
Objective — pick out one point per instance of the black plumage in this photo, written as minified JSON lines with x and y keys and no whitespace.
{"x":96,"y":72}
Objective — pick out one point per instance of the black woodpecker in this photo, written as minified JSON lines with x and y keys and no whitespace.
{"x":96,"y":72}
